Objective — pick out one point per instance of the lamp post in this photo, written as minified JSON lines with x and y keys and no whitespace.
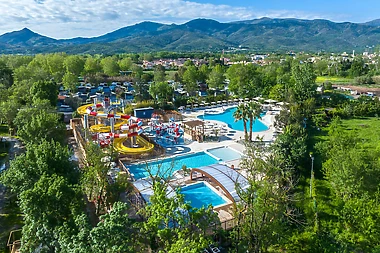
{"x":311,"y":174}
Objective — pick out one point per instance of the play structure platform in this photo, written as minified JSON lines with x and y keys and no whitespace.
{"x":127,"y":126}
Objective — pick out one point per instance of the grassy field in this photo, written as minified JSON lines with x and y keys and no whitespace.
{"x":366,"y":129}
{"x":334,"y":80}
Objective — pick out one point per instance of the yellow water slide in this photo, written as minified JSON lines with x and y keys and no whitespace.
{"x":101,"y":128}
{"x":146,"y":146}
{"x":83,"y":109}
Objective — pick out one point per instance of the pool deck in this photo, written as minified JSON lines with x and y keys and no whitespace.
{"x":268,"y":120}
{"x":231,"y":138}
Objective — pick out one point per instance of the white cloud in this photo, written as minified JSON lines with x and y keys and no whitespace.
{"x":71,"y":18}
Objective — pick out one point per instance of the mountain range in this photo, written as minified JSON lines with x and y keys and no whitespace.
{"x":258,"y":35}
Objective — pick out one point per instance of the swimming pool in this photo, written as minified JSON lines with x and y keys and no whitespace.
{"x":166,"y":167}
{"x":228,"y":118}
{"x":225,"y":153}
{"x":201,"y":195}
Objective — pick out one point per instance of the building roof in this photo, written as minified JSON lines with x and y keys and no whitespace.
{"x":226,"y":178}
{"x":194,"y":123}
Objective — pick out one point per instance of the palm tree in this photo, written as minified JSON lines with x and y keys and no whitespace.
{"x":253,"y":112}
{"x":241,"y":113}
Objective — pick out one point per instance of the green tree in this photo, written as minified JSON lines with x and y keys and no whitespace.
{"x":245,"y":80}
{"x":277,"y":92}
{"x":113,"y":233}
{"x":44,"y":158}
{"x":74,"y":65}
{"x":188,"y":63}
{"x":358,"y":68}
{"x":95,"y":175}
{"x":137,"y":72}
{"x":46,"y":183}
{"x":49,"y":203}
{"x":171,"y":223}
{"x":162,"y":92}
{"x":92,"y":66}
{"x":55,"y":66}
{"x":351,"y":171}
{"x":321,"y":67}
{"x":264,"y":209}
{"x":45,"y":90}
{"x":125,"y":63}
{"x":74,"y":235}
{"x":8,"y":112}
{"x":204,"y":72}
{"x":159,"y":73}
{"x":110,"y":66}
{"x":34,"y":125}
{"x":304,"y":81}
{"x":349,"y":168}
{"x":6,"y":76}
{"x":190,"y":78}
{"x":70,"y":81}
{"x":216,"y":78}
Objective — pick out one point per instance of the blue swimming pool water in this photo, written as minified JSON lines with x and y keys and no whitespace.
{"x":225,"y":153}
{"x":228,"y":118}
{"x":200,"y":195}
{"x":166,"y":167}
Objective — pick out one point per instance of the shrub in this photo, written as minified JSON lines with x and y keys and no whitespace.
{"x":360,"y":80}
{"x":376,"y":79}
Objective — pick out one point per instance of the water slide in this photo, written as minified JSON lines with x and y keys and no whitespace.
{"x":119,"y":139}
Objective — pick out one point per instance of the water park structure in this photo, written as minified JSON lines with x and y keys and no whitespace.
{"x":111,"y":126}
{"x":169,"y":131}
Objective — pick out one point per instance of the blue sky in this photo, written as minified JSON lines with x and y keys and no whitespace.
{"x":340,"y":10}
{"x":88,"y":18}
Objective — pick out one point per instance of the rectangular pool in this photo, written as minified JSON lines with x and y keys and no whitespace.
{"x":165,"y":168}
{"x":200,"y":195}
{"x":225,"y":153}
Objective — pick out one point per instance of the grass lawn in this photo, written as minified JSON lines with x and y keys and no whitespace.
{"x":366,"y":129}
{"x":334,"y":80}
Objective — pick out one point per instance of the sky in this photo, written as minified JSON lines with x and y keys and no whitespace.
{"x":89,"y":18}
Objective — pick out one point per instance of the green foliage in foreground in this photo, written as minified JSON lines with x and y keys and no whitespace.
{"x":348,"y":203}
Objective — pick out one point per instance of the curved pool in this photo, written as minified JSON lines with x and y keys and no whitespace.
{"x":228,"y":118}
